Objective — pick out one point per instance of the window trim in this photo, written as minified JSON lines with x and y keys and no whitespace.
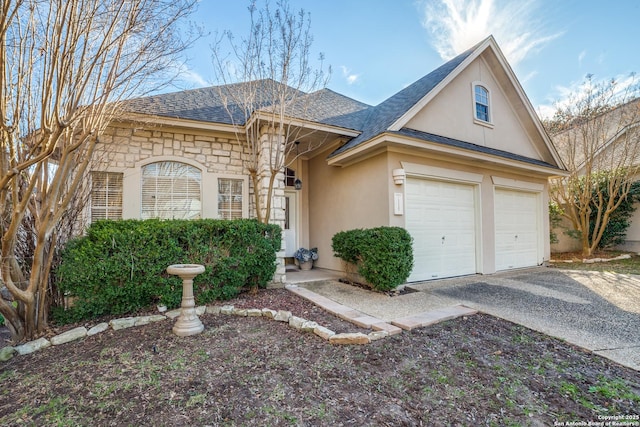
{"x":289,"y":174}
{"x":475,"y":102}
{"x":173,"y":160}
{"x":118,"y":210}
{"x":247,"y":197}
{"x":243,"y":195}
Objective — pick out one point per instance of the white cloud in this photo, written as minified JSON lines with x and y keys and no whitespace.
{"x":528,"y":77}
{"x":350,"y":77}
{"x":581,"y":57}
{"x":186,"y":77}
{"x":626,"y":87}
{"x":457,"y":25}
{"x":192,"y":78}
{"x":546,"y":111}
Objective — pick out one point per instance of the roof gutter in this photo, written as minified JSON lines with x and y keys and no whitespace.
{"x":148,"y":119}
{"x":392,"y":142}
{"x":307,"y":124}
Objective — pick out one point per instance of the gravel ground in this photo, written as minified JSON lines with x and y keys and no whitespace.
{"x":596,"y":310}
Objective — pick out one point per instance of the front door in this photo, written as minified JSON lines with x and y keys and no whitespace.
{"x":290,"y":223}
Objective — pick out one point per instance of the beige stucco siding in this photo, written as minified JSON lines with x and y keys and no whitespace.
{"x":632,"y":242}
{"x":486,"y":181}
{"x":451,"y":113}
{"x":343,"y":199}
{"x":362,"y":195}
{"x":565,"y":242}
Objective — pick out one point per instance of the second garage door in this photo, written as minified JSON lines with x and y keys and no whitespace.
{"x":441,"y":218}
{"x":517,"y":225}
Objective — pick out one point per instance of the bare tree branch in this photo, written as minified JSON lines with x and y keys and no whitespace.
{"x":65,"y":67}
{"x":597,"y":134}
{"x":266,"y":80}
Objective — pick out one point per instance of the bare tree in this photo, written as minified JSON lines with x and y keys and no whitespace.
{"x":597,"y":135}
{"x":65,"y":65}
{"x":267,"y":80}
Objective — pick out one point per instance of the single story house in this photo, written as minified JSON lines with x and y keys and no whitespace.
{"x":459,"y":158}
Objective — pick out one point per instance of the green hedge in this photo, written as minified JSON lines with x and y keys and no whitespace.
{"x":120,"y":266}
{"x":384,"y":255}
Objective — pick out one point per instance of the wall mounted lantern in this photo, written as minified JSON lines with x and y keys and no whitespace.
{"x":297,"y":184}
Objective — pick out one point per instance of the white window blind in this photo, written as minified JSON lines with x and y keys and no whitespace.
{"x":106,"y":195}
{"x":171,"y":190}
{"x":229,"y":198}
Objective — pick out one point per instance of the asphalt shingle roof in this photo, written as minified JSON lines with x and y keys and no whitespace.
{"x":324,"y":106}
{"x":469,"y":146}
{"x":386,"y":113}
{"x":203,"y":104}
{"x":208,"y":105}
{"x":331,"y":108}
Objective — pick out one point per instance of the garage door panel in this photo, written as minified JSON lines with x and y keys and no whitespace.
{"x":516,"y":229}
{"x":460,"y":263}
{"x":435,"y":210}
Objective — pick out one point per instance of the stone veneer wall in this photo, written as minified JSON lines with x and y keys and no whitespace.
{"x":122,"y":147}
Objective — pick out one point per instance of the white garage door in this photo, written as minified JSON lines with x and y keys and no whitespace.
{"x":517,"y":229}
{"x":441,"y":218}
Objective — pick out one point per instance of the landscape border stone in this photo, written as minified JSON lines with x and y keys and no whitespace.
{"x":590,"y":260}
{"x":7,"y":353}
{"x":70,"y":335}
{"x":380,"y":330}
{"x":100,"y":327}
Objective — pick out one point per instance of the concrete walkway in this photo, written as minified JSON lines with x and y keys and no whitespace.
{"x":392,"y":327}
{"x":596,"y":311}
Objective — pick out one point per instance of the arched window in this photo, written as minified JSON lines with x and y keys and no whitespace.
{"x":171,"y":190}
{"x":481,"y":97}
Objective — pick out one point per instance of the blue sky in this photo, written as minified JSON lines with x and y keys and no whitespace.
{"x":377,"y":47}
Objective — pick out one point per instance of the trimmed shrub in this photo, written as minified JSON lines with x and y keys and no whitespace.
{"x":383,"y":255}
{"x":120,"y":266}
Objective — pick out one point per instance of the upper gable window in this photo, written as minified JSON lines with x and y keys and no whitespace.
{"x":481,"y":103}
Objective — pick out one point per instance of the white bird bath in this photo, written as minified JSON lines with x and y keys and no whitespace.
{"x":188,"y":322}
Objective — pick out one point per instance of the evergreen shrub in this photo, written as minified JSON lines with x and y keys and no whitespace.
{"x":119,"y":267}
{"x":383,"y":255}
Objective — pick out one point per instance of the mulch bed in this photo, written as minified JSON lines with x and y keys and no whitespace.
{"x":477,"y":370}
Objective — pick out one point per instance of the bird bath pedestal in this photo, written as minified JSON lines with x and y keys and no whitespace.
{"x":188,"y":322}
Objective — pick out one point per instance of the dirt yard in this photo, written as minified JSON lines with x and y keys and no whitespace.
{"x":478,"y":371}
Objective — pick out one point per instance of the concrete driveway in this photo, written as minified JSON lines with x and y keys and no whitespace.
{"x":597,"y":311}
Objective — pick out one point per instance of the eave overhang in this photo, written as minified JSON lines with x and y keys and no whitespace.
{"x":155,"y":120}
{"x":395,"y":142}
